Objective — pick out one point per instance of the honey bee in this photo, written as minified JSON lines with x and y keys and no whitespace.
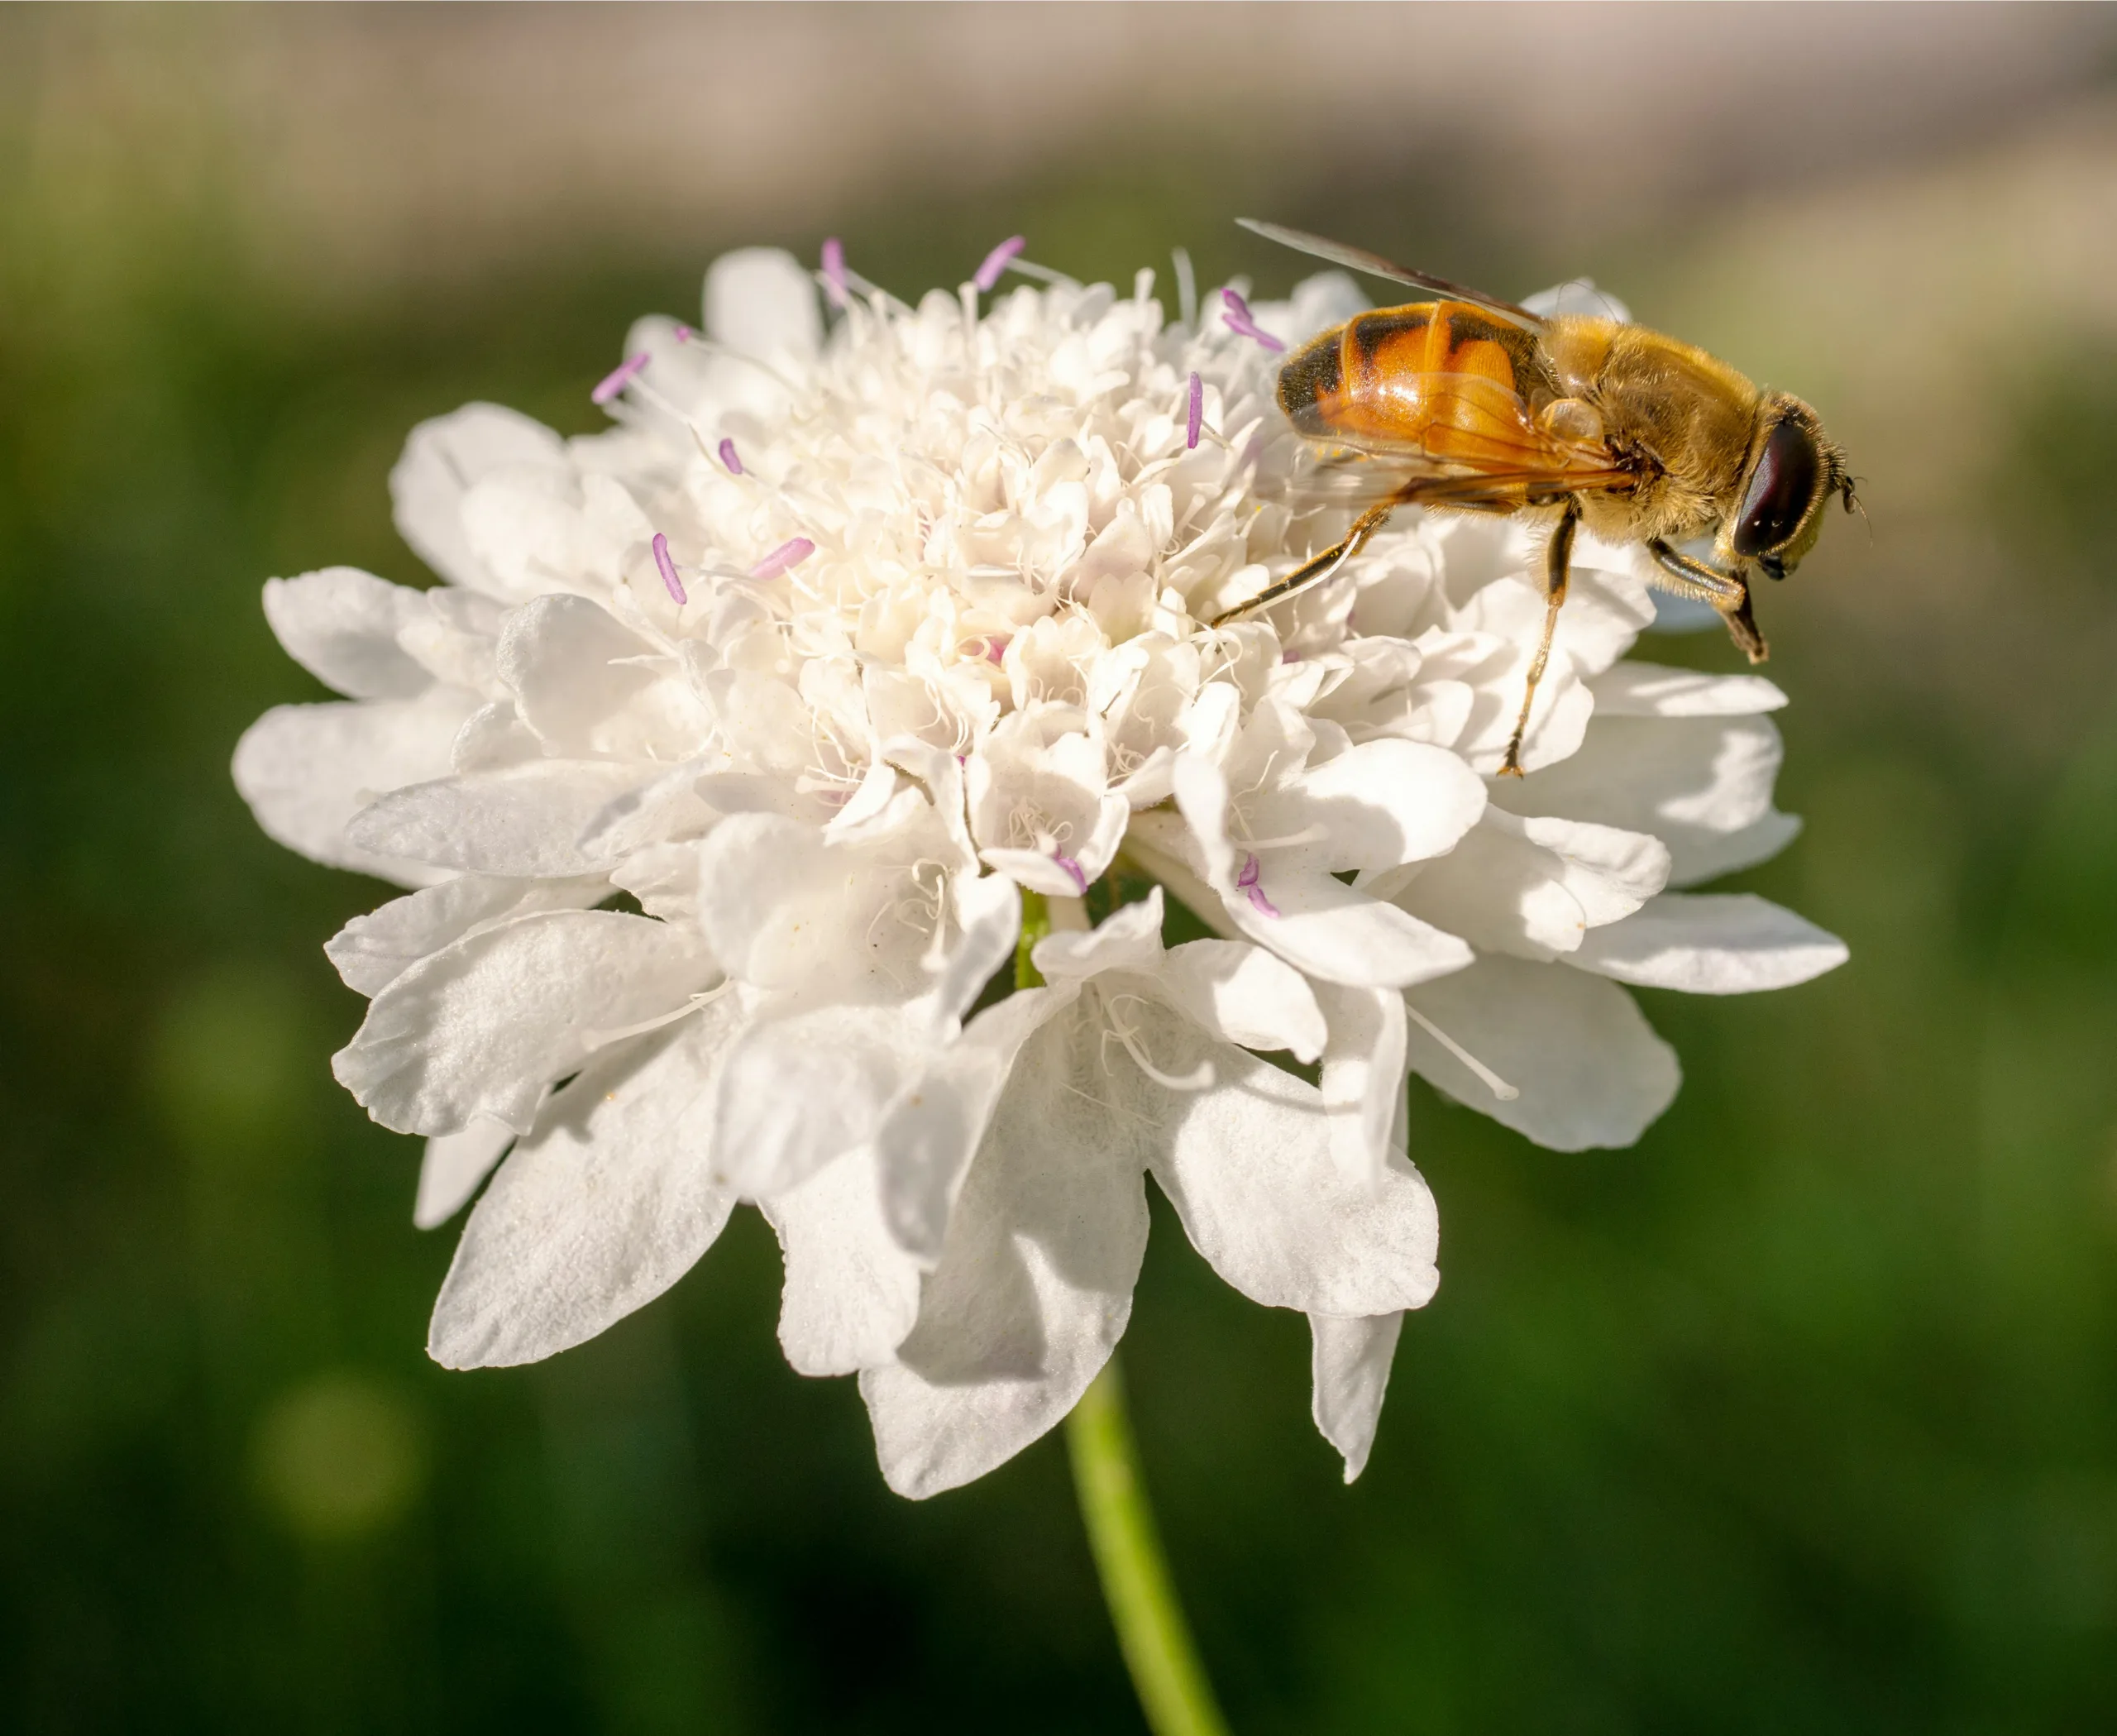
{"x":1473,"y":405}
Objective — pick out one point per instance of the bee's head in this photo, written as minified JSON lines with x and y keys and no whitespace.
{"x":1793,"y":469}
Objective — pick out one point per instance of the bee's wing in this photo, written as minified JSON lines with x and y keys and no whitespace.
{"x":1352,"y":481}
{"x":1359,"y":259}
{"x":1449,"y":425}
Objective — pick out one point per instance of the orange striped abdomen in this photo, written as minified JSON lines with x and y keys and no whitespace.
{"x":1441,"y":379}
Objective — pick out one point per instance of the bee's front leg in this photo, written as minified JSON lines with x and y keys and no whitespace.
{"x":1728,"y":592}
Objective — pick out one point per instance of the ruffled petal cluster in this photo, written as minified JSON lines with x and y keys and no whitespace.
{"x":720,"y":765}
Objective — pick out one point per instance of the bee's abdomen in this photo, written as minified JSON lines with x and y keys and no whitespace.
{"x":1313,"y":376}
{"x":1408,"y":378}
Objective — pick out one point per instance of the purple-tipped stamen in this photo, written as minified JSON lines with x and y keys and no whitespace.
{"x":1198,"y":417}
{"x":1073,"y":872}
{"x":668,"y":567}
{"x":685,"y":334}
{"x":1240,"y":322}
{"x":996,"y":262}
{"x":728,"y":456}
{"x":791,"y":552}
{"x":834,"y":272}
{"x":619,"y":378}
{"x":1248,"y":879}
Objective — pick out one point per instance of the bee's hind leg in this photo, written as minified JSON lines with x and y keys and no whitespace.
{"x":1315,"y":571}
{"x":1558,"y":559}
{"x":1728,"y":593}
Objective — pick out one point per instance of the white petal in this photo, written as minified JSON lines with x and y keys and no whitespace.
{"x":1378,"y":804}
{"x":525,"y":821}
{"x":933,"y":1128}
{"x":835,"y":922}
{"x":453,"y":1165}
{"x":1035,"y":872}
{"x":1035,"y":1284}
{"x":852,"y":1292}
{"x":798,"y":1093}
{"x":371,"y":951}
{"x":1702,"y":786}
{"x":602,"y":1208}
{"x":1590,"y":1070}
{"x":1648,"y":689}
{"x":1317,"y":923}
{"x":1363,"y":1079}
{"x":1712,"y":944}
{"x":668,"y":809}
{"x":762,"y":301}
{"x":1349,"y":1366}
{"x":1037,"y":792}
{"x":588,"y":686}
{"x":1535,"y":887}
{"x":1338,"y":933}
{"x":306,"y":771}
{"x":987,"y":912}
{"x":1244,"y":995}
{"x":482,"y":1027}
{"x":1248,"y":1167}
{"x":443,"y":459}
{"x":341,"y":624}
{"x":1128,"y":939}
{"x":528,"y":534}
{"x":1606,"y":608}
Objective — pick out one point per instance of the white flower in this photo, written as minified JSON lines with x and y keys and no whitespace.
{"x":720,"y":763}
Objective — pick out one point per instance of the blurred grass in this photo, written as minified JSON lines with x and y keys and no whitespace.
{"x":1799,"y":1416}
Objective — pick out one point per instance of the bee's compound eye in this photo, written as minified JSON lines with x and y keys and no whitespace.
{"x":1781,"y":490}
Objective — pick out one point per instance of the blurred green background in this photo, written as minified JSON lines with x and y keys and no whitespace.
{"x":1802,"y":1415}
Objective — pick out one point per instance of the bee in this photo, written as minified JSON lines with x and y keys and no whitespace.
{"x":1471,"y":403}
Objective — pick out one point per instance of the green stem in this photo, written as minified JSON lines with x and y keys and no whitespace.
{"x":1156,"y":1641}
{"x":1036,"y":924}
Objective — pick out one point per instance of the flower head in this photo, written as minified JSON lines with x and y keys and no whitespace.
{"x":718,"y":786}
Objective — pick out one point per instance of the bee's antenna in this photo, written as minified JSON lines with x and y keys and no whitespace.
{"x":1854,"y":503}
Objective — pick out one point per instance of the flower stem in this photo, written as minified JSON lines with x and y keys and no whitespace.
{"x":1151,"y":1631}
{"x":1036,"y":924}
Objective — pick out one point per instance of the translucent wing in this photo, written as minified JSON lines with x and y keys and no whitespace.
{"x":1359,"y":259}
{"x":1448,"y":424}
{"x":1352,"y":481}
{"x":1577,"y":295}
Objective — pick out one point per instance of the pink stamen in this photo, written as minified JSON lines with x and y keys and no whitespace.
{"x":675,"y":584}
{"x":791,"y":552}
{"x":1247,"y":880}
{"x":619,"y":378}
{"x":996,"y":262}
{"x":834,"y":272}
{"x":1073,"y":869}
{"x":996,"y":648}
{"x":728,"y":458}
{"x":1240,"y":322}
{"x":1198,"y":414}
{"x":684,"y":334}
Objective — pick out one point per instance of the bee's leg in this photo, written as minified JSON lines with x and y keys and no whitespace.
{"x":1558,"y":558}
{"x":1728,"y":592}
{"x":1315,"y":571}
